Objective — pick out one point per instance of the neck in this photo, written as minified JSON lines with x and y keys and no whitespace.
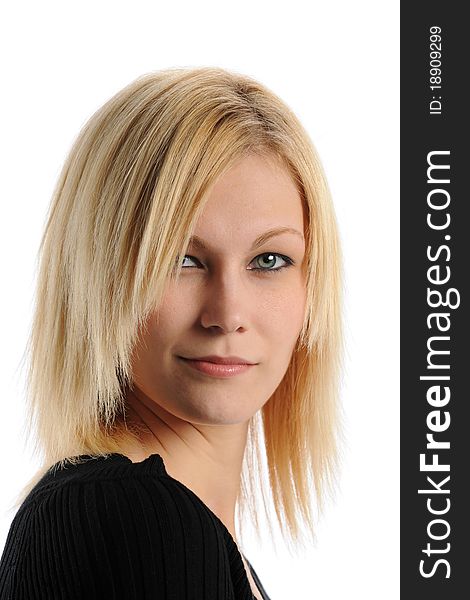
{"x":206,"y":458}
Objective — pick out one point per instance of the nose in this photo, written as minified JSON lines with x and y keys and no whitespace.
{"x":225,"y":303}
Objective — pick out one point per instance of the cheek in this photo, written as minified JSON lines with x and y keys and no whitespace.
{"x":174,"y":315}
{"x":161,"y":328}
{"x":283,"y":314}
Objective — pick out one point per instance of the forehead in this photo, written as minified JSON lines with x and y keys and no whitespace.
{"x":255,"y":194}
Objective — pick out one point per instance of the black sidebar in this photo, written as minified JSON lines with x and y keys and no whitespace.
{"x":435,"y":272}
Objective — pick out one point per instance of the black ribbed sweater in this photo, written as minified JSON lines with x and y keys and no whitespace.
{"x":112,"y":529}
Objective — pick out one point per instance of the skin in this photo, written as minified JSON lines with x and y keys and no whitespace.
{"x":221,"y":305}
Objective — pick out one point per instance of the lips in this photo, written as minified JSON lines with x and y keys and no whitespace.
{"x":221,"y":360}
{"x":220,"y":370}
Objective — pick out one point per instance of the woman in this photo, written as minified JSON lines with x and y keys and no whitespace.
{"x":188,"y":305}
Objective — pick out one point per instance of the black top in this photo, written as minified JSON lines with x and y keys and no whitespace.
{"x":112,"y":529}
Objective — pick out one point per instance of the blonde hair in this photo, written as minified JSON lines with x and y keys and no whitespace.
{"x":124,"y":207}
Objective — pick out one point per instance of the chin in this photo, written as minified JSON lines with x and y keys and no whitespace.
{"x":219,"y":418}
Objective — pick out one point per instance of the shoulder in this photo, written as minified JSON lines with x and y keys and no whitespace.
{"x":111,"y":527}
{"x":113,"y":487}
{"x":112,"y":493}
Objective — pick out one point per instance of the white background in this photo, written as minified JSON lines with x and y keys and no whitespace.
{"x":336,"y":64}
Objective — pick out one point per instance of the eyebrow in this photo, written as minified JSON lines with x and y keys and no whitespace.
{"x":197,"y":242}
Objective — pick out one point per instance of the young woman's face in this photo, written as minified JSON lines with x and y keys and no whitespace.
{"x":230,"y":301}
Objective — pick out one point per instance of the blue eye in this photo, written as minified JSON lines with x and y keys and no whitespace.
{"x":271,"y":257}
{"x":187,"y":256}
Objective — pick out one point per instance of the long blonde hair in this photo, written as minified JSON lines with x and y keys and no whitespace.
{"x":124,"y":207}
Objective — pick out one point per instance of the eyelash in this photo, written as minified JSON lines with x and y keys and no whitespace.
{"x":288,"y":260}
